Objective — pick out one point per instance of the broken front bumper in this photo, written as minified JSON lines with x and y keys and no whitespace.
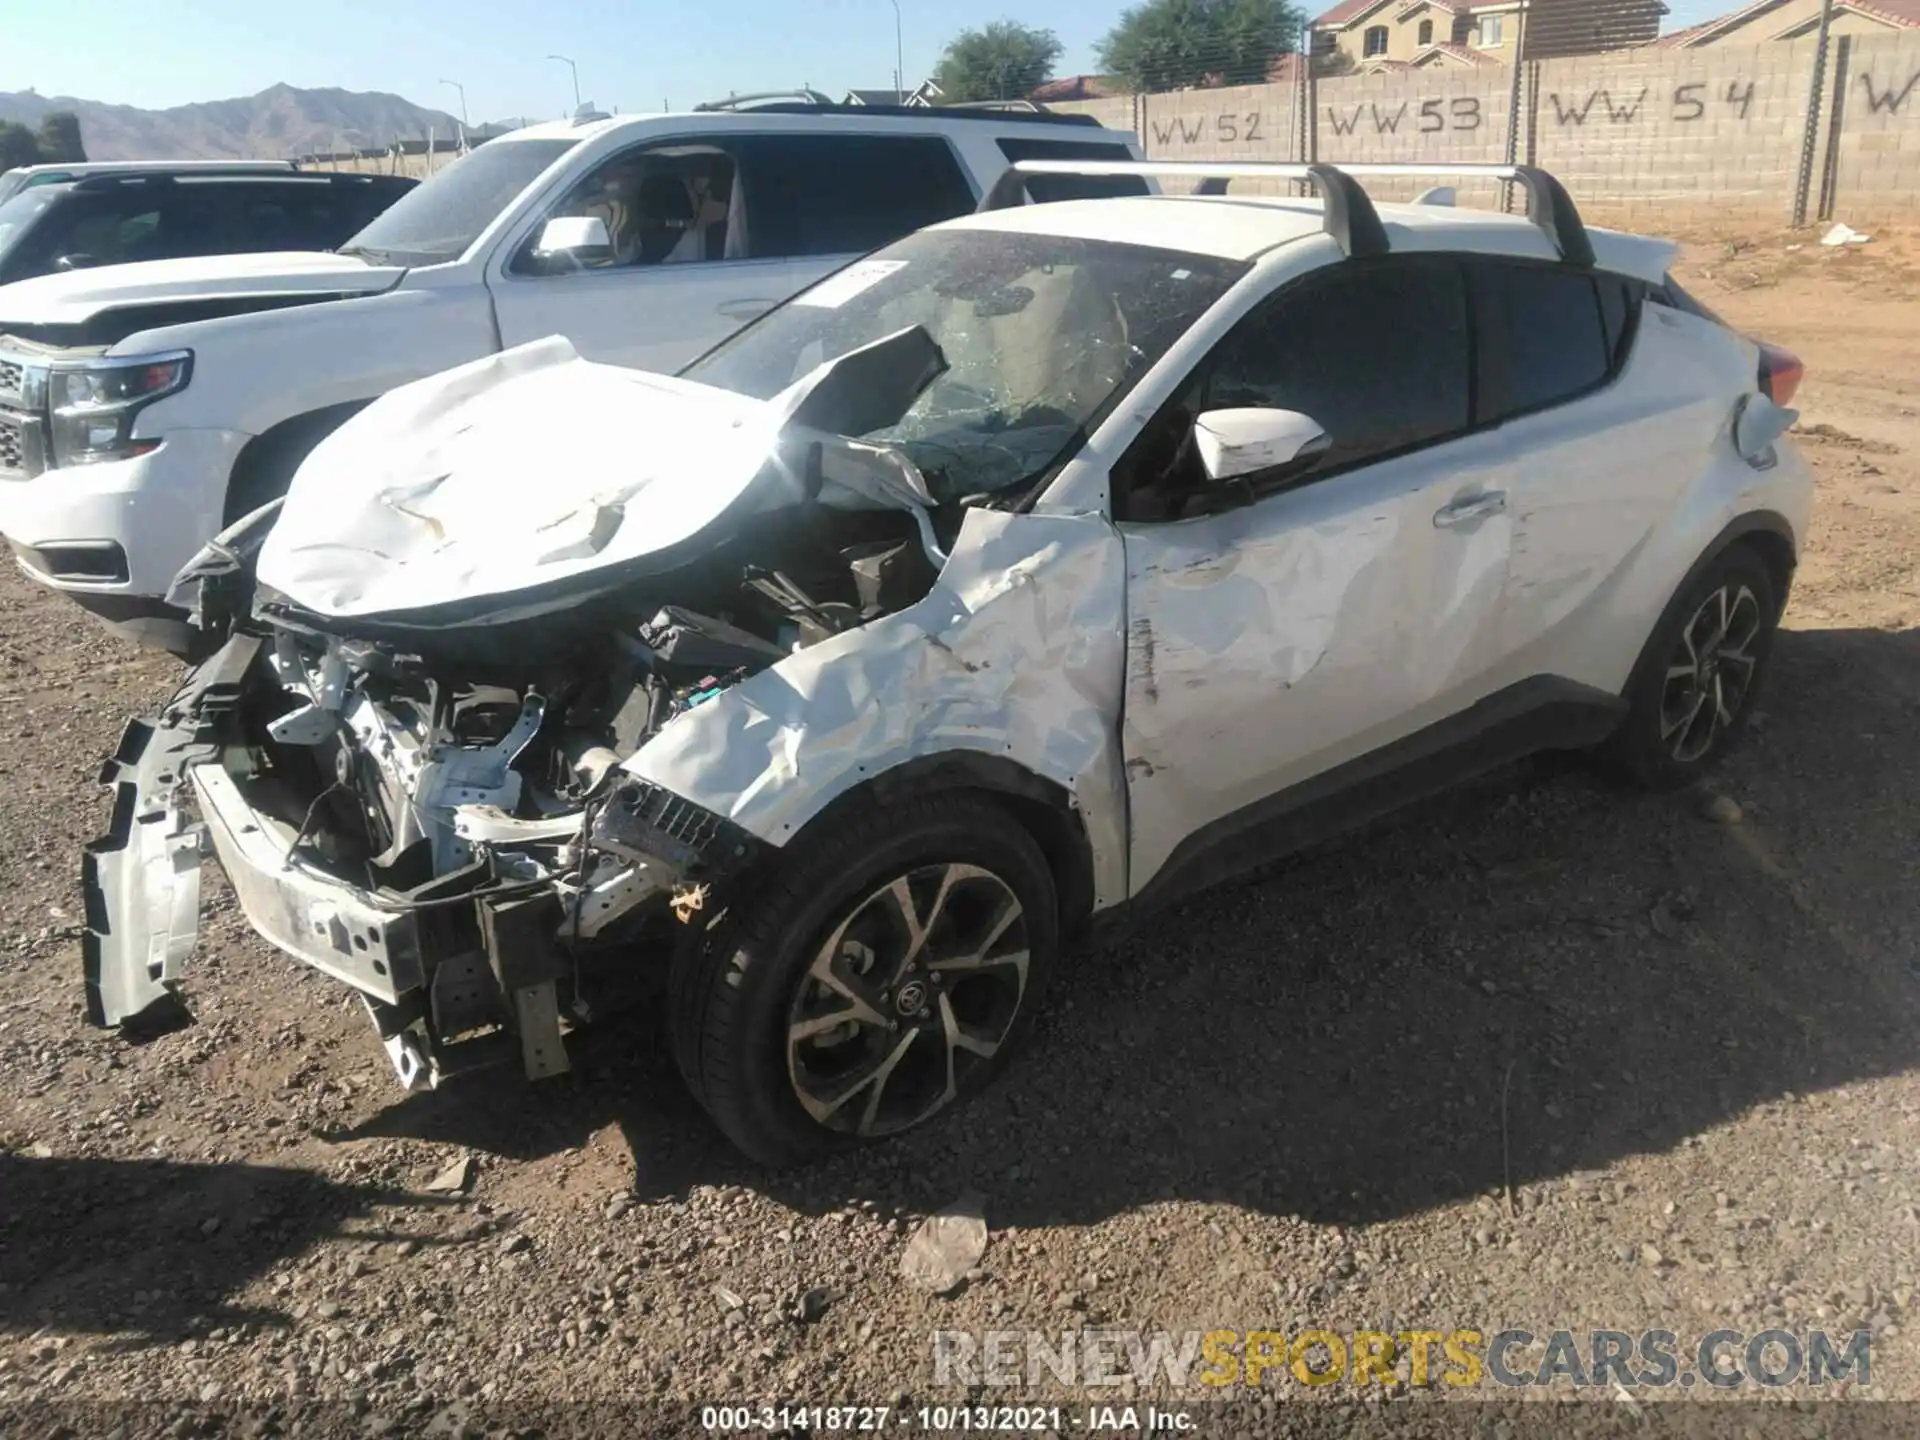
{"x":438,"y":962}
{"x":325,"y":922}
{"x":142,"y":878}
{"x":435,"y":965}
{"x":454,"y":971}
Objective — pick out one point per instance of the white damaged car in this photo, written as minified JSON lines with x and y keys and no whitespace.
{"x":1038,"y":569}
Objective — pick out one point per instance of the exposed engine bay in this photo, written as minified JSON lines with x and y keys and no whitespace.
{"x":428,"y":802}
{"x":425,"y":780}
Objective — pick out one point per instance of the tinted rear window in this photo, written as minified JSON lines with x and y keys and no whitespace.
{"x":1073,"y":187}
{"x":1543,"y":335}
{"x":1677,"y":298}
{"x":830,"y":194}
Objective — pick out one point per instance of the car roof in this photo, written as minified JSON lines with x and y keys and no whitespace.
{"x":103,"y":167}
{"x":1241,"y":227}
{"x":839,"y":119}
{"x":149,"y":183}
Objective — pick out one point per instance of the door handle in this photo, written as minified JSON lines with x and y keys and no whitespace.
{"x":746,"y":309}
{"x":1470,"y":507}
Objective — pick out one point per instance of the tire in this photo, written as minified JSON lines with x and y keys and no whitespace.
{"x":1655,"y":747}
{"x":774,"y":1053}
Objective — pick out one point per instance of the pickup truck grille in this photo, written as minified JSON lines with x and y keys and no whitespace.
{"x":23,"y":425}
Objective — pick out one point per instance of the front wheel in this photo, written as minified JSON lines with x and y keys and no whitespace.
{"x":876,"y":978}
{"x":1696,"y":684}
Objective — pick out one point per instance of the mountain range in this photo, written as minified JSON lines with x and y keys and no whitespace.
{"x":280,"y":121}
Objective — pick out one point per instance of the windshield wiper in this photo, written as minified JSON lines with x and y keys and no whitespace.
{"x":366,"y":253}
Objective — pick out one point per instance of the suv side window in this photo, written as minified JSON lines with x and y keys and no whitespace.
{"x":1546,"y":336}
{"x":841,"y":194}
{"x":1377,"y":353}
{"x":110,"y":229}
{"x":1044,"y":188}
{"x":299,"y":215}
{"x":1380,"y":353}
{"x":200,"y":218}
{"x":671,"y":203}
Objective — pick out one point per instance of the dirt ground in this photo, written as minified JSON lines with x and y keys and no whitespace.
{"x":1279,"y":1107}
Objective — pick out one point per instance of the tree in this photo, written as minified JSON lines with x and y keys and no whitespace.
{"x":1003,"y":60}
{"x":1172,"y":44}
{"x":17,"y":145}
{"x":60,"y":139}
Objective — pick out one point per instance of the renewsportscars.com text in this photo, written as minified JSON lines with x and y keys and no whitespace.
{"x":1510,"y":1359}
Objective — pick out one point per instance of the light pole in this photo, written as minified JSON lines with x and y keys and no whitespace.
{"x":463,"y":100}
{"x":899,"y":59}
{"x":576,"y":77}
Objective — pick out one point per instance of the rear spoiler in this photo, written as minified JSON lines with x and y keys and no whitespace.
{"x":1351,"y":219}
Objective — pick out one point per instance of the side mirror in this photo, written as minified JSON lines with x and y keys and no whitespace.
{"x":580,"y":238}
{"x":77,"y":261}
{"x":1235,"y":444}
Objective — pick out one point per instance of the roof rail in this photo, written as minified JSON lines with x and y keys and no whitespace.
{"x":741,"y":102}
{"x":79,"y":168}
{"x":1351,"y":217}
{"x":1027,"y":106}
{"x":996,"y":113}
{"x":111,"y":179}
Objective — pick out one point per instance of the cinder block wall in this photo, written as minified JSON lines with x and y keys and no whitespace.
{"x":1651,"y":137}
{"x":1876,"y":145}
{"x":1238,"y":122}
{"x":1115,"y":112}
{"x":1440,"y":116}
{"x":1643,"y":135}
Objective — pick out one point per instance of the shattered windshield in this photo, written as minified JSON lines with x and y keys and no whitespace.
{"x":1041,"y":334}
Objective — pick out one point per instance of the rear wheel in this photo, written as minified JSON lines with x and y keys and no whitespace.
{"x":876,"y":979}
{"x":1696,"y":684}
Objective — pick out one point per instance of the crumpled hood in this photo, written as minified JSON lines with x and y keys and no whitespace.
{"x":76,"y":296}
{"x":534,"y":467}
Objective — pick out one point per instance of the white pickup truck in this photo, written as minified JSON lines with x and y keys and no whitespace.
{"x":142,"y":407}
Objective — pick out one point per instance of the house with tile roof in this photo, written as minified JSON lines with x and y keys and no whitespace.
{"x":1416,"y":34}
{"x":1792,"y":19}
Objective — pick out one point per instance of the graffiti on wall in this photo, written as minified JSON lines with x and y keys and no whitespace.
{"x":1422,"y":117}
{"x":1225,"y":128}
{"x":1686,"y":104}
{"x":1889,"y":99}
{"x":1643,"y":104}
{"x":1683,"y":104}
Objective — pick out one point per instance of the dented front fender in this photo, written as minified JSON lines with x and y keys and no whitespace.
{"x":1016,"y":652}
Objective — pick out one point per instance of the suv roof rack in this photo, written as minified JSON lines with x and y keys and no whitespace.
{"x":753,"y":99}
{"x":1351,"y":218}
{"x":91,"y":184}
{"x":780,"y":102}
{"x":1028,"y":106}
{"x":80,"y":168}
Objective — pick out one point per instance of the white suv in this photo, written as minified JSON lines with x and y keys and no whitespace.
{"x":144,"y":407}
{"x":1038,"y":569}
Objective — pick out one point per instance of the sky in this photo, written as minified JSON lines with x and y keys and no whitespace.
{"x":631,"y":56}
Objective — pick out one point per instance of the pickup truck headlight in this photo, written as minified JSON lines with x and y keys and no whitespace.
{"x":93,"y":403}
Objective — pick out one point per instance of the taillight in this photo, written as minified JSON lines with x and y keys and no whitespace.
{"x":1780,"y":374}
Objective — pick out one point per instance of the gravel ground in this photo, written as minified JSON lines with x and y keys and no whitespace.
{"x":1278,"y":1107}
